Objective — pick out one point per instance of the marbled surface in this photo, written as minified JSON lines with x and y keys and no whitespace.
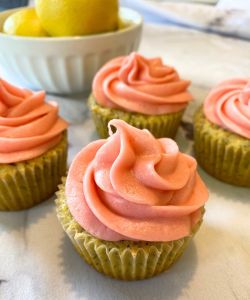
{"x":228,"y":17}
{"x":37,"y":261}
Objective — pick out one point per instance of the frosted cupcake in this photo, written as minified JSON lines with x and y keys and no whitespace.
{"x":143,"y":92}
{"x":222,"y":132}
{"x":33,"y":148}
{"x":131,"y":203}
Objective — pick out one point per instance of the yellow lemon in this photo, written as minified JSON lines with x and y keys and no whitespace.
{"x":77,"y":17}
{"x":25,"y":23}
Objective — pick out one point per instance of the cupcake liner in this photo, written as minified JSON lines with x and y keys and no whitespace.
{"x":125,"y":260}
{"x":25,"y":184}
{"x":222,"y":154}
{"x":165,"y":125}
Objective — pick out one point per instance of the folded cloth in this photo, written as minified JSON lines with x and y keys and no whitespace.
{"x":223,"y":19}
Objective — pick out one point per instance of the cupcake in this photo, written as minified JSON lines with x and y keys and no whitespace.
{"x":222,"y":132}
{"x":33,"y":148}
{"x":143,"y":92}
{"x":131,"y":203}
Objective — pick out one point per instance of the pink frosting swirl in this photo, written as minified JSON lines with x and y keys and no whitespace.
{"x":135,"y":187}
{"x":134,"y":83}
{"x":29,"y":126}
{"x":228,"y":105}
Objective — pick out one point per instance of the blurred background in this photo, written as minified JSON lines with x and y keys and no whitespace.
{"x":226,"y":17}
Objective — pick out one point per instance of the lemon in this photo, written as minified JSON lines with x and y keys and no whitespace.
{"x":77,"y":17}
{"x":25,"y":23}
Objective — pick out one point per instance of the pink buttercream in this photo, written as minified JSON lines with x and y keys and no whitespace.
{"x":134,"y":83}
{"x":135,"y":187}
{"x":29,"y":126}
{"x":228,"y":105}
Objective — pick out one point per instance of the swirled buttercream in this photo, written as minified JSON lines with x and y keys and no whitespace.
{"x":135,"y":187}
{"x":29,"y":126}
{"x":228,"y":105}
{"x":136,"y":84}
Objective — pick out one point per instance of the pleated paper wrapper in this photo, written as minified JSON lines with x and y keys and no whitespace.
{"x":165,"y":125}
{"x":25,"y":184}
{"x":124,"y":260}
{"x":221,"y":153}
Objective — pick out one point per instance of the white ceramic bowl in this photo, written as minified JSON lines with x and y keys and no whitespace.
{"x":64,"y":65}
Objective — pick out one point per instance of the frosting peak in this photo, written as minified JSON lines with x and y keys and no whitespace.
{"x":29,"y":126}
{"x":228,"y":105}
{"x":135,"y":187}
{"x":141,"y":85}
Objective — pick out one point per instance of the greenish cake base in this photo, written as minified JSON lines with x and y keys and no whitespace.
{"x":25,"y":184}
{"x":220,"y":153}
{"x":165,"y":125}
{"x":125,"y":260}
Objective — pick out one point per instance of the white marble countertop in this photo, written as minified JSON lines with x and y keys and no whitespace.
{"x":37,"y":260}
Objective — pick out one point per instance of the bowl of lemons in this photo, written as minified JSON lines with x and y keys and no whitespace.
{"x":59,"y":46}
